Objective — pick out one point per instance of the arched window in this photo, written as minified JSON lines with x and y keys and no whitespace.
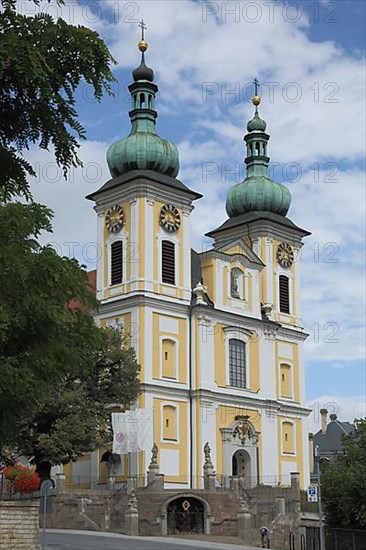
{"x":168,"y":262}
{"x":170,"y":422}
{"x":286,"y":380}
{"x":168,"y":360}
{"x":237,"y":364}
{"x":288,"y":438}
{"x":116,"y":262}
{"x":284,"y":294}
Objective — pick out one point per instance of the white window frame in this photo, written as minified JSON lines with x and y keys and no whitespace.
{"x":176,"y":243}
{"x":177,"y":425}
{"x":112,"y":239}
{"x":288,"y":421}
{"x":288,"y":364}
{"x":287,"y":273}
{"x":176,"y":349}
{"x":237,"y":333}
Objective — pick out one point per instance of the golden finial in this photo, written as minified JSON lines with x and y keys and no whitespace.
{"x":142,"y":45}
{"x":256,"y":98}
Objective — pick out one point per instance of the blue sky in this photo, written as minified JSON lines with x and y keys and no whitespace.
{"x":309,"y":57}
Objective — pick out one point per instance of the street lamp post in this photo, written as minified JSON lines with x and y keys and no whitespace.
{"x":320,"y":510}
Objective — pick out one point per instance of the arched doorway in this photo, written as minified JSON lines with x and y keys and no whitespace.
{"x":241,"y":464}
{"x":185,"y":516}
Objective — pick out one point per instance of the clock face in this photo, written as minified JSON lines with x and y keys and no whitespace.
{"x":285,"y":255}
{"x":169,"y":218}
{"x":114,"y":218}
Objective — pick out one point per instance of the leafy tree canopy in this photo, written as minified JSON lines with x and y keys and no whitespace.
{"x":42,"y":62}
{"x":59,"y":371}
{"x":344,"y":482}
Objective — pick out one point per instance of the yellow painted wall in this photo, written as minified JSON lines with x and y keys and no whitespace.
{"x":295,"y":442}
{"x":285,"y":380}
{"x":288,"y":438}
{"x":181,"y":434}
{"x":294,"y":362}
{"x":142,"y":236}
{"x":170,"y":421}
{"x":168,"y":358}
{"x":208,"y":270}
{"x":181,"y":338}
{"x":254,"y":370}
{"x":220,"y":356}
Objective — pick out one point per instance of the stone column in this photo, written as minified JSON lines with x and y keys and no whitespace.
{"x":132,"y":516}
{"x":295,"y":489}
{"x":209,"y":474}
{"x":153,"y":470}
{"x":244,"y":518}
{"x":60,"y":483}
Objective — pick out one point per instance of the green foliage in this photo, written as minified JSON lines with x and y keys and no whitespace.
{"x":73,"y":416}
{"x":42,"y":62}
{"x":59,"y":371}
{"x":344,"y":482}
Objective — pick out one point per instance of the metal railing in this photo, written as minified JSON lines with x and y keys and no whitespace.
{"x":336,"y":539}
{"x":7,"y":492}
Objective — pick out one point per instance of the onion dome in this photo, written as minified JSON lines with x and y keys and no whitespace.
{"x":257,"y":193}
{"x":256,"y":124}
{"x":143,"y":149}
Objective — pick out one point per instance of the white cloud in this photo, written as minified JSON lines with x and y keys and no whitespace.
{"x":326,"y":124}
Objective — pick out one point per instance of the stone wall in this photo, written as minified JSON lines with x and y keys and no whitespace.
{"x":277,"y":508}
{"x":19,"y":528}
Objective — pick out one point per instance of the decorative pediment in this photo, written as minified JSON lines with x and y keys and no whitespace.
{"x":238,"y":251}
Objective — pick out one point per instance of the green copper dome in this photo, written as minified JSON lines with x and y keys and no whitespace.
{"x":256,"y":124}
{"x":143,"y":149}
{"x":257,"y":192}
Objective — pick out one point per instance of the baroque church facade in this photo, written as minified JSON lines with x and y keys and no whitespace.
{"x":217,"y":333}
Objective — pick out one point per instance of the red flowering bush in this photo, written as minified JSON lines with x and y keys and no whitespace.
{"x":22,"y":479}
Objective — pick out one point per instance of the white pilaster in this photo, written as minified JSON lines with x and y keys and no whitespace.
{"x":150,"y":243}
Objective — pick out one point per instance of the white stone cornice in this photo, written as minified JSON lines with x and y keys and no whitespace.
{"x":251,"y":401}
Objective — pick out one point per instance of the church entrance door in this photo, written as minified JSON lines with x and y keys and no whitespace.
{"x":241,"y":464}
{"x":185,"y":516}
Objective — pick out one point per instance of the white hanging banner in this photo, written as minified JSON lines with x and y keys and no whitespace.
{"x":119,"y":433}
{"x":132,"y":431}
{"x":145,"y":429}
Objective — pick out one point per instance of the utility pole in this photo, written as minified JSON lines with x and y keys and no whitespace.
{"x":320,"y":511}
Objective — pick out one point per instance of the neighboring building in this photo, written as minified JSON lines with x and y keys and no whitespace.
{"x":329,"y":438}
{"x":217,"y":333}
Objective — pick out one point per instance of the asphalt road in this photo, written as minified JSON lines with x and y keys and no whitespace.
{"x":77,"y":540}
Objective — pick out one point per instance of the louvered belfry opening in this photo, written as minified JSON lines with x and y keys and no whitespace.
{"x":284,"y":294}
{"x":116,"y":263}
{"x":168,"y":262}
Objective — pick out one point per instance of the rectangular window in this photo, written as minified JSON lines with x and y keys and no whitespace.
{"x":284,"y":294}
{"x":117,"y":263}
{"x":168,"y":262}
{"x":237,"y":371}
